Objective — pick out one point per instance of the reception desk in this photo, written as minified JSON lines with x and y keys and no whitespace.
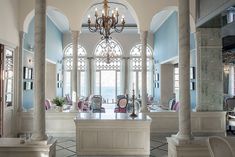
{"x":112,"y":134}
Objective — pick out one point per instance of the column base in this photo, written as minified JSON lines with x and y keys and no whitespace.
{"x":190,"y":148}
{"x":183,"y":138}
{"x":42,"y":142}
{"x":39,"y":139}
{"x":12,"y":147}
{"x":144,"y":110}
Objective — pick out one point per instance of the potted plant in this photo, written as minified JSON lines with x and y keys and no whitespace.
{"x":59,"y":102}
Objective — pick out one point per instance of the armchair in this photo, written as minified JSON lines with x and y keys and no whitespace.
{"x":96,"y":104}
{"x":230,"y":104}
{"x":68,"y":100}
{"x":231,"y":122}
{"x":122,"y":104}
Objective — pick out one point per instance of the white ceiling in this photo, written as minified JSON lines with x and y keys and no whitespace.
{"x":62,"y":22}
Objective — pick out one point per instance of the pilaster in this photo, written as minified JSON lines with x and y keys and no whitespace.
{"x":209,"y":70}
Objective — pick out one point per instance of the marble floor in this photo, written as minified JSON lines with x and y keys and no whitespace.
{"x":66,"y":147}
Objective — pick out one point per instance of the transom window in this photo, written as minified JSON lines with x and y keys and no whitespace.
{"x":136,"y":57}
{"x":137,"y":49}
{"x":112,"y":47}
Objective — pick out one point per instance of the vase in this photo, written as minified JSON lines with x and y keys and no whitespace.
{"x":59,"y":108}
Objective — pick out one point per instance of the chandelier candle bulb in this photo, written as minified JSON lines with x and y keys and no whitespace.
{"x":96,"y":12}
{"x":122,"y":18}
{"x":112,"y":13}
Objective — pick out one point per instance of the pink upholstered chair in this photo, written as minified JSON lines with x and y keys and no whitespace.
{"x":122,"y":104}
{"x":176,"y":106}
{"x":47,"y":104}
{"x":68,"y":100}
{"x":82,"y":106}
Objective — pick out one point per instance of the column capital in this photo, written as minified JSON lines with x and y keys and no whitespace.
{"x":143,"y":35}
{"x":75,"y":34}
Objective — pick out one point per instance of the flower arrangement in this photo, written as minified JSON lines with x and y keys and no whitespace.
{"x":59,"y":101}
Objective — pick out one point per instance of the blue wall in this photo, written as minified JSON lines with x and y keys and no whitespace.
{"x":166,"y":47}
{"x":166,"y":39}
{"x":54,"y":52}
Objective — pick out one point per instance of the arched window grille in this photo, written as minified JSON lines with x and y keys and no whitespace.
{"x":108,"y":75}
{"x":101,"y":55}
{"x":136,"y":68}
{"x":68,"y":66}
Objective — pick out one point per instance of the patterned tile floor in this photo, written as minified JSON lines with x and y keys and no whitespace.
{"x":66,"y":147}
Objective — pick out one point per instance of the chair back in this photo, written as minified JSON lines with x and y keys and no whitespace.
{"x":96,"y":102}
{"x":171,"y":104}
{"x":219,"y":147}
{"x":230,"y":104}
{"x":122,"y":103}
{"x":68,"y":99}
{"x":47,"y":104}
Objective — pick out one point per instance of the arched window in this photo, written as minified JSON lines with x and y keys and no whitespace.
{"x":136,"y":68}
{"x":68,"y":66}
{"x":108,"y":66}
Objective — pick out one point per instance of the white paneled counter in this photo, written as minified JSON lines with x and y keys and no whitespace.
{"x":112,"y":134}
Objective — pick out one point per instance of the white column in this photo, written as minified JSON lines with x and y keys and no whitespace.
{"x":184,"y":69}
{"x":75,"y":35}
{"x":39,"y":72}
{"x":89,"y":76}
{"x":20,"y":72}
{"x":78,"y":84}
{"x":93,"y":75}
{"x":143,"y":38}
{"x":126,"y":75}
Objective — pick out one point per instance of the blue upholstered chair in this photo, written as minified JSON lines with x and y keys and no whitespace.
{"x":96,"y":104}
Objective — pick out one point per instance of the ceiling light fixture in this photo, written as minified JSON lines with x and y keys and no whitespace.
{"x":106,"y":24}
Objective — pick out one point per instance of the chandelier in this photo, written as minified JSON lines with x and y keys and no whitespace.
{"x":106,"y":24}
{"x":108,"y":52}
